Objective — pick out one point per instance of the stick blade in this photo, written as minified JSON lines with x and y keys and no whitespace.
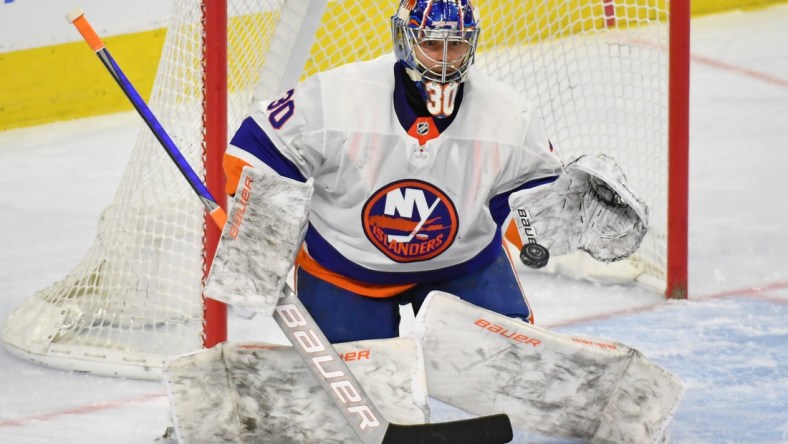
{"x":493,"y":429}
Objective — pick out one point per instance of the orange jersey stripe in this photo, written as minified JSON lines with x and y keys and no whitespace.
{"x":305,"y":261}
{"x":512,"y":234}
{"x":233,"y":167}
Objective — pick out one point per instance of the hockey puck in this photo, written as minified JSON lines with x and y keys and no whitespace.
{"x":534,"y":255}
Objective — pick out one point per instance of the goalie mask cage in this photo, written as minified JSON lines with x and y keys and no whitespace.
{"x":599,"y":71}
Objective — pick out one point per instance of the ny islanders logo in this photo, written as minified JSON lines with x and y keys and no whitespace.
{"x":410,"y":221}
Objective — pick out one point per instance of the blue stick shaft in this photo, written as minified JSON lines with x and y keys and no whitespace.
{"x":158,"y":130}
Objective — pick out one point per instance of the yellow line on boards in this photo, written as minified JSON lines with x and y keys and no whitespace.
{"x":67,"y":81}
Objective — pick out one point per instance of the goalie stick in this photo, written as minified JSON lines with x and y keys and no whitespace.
{"x":299,"y":327}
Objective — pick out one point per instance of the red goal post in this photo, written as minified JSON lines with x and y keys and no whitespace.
{"x":676,"y":285}
{"x":215,"y":127}
{"x":609,"y":76}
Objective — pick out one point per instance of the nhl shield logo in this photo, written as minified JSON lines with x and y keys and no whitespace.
{"x":410,"y":221}
{"x":422,"y":128}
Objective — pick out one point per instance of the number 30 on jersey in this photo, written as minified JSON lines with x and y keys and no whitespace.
{"x":440,"y":98}
{"x":281,"y":110}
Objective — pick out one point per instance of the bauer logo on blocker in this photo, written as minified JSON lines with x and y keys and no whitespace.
{"x":410,"y":221}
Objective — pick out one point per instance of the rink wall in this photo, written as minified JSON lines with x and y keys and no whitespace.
{"x":47,"y":73}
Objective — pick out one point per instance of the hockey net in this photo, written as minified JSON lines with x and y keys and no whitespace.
{"x":597,"y":70}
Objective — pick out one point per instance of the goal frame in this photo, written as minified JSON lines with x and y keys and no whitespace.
{"x":215,"y":131}
{"x":42,"y":320}
{"x":678,"y":151}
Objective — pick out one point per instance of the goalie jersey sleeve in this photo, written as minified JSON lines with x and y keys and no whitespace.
{"x":387,"y":209}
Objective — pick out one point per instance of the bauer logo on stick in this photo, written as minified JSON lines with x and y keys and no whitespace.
{"x":410,"y":221}
{"x":343,"y":388}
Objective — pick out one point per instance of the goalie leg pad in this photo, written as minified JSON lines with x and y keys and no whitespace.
{"x":265,"y":227}
{"x":255,"y":392}
{"x":547,"y":382}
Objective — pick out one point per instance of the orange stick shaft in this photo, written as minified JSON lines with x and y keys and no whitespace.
{"x":87,"y":32}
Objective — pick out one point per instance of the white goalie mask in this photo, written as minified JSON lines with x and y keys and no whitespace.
{"x":435,"y":39}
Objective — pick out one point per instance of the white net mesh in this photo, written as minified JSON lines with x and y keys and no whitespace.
{"x":597,"y":71}
{"x":603,"y":90}
{"x":135,"y":298}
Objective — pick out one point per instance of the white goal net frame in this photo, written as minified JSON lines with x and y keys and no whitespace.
{"x":609,"y":76}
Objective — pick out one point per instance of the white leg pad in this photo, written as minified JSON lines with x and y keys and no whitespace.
{"x":255,"y":392}
{"x":548,"y":383}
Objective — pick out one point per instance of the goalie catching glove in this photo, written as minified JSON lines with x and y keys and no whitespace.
{"x":590,"y":207}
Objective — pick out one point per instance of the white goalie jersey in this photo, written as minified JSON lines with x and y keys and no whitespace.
{"x":398,"y":198}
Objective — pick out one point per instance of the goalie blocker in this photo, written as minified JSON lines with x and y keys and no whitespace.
{"x":590,"y":207}
{"x":264,"y":229}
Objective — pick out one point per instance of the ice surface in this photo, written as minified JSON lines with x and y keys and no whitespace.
{"x":728,"y":343}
